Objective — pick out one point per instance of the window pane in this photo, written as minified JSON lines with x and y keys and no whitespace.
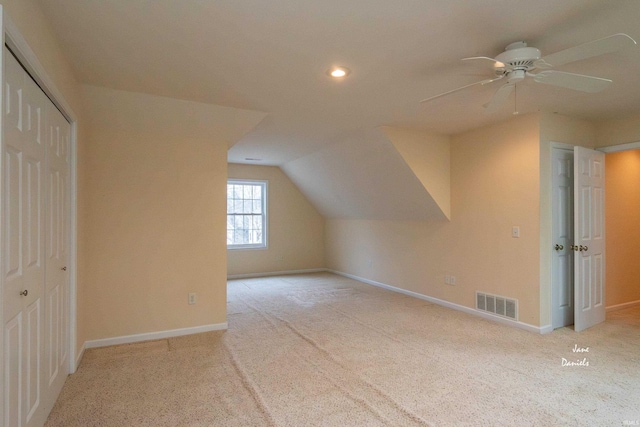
{"x":246,"y":193}
{"x":257,"y":207}
{"x":229,"y":222}
{"x":237,"y":192}
{"x":257,"y":222}
{"x":257,"y":192}
{"x":230,"y":237}
{"x":237,"y":206}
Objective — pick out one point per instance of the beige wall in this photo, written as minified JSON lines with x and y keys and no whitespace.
{"x":34,"y":27}
{"x":155,"y":211}
{"x":296,"y":229}
{"x":495,"y":185}
{"x":622,"y":173}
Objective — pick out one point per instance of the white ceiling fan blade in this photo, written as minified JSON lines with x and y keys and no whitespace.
{"x":499,"y":98}
{"x":483,"y":82}
{"x":598,"y":47}
{"x":572,"y":81}
{"x":497,"y":64}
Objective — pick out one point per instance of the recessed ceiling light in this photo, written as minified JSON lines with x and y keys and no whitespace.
{"x":338,"y":72}
{"x":252,"y":159}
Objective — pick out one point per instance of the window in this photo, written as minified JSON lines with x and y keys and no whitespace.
{"x":246,"y":214}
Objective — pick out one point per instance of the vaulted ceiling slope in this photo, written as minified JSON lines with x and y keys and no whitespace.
{"x":273,"y":57}
{"x":365,"y":176}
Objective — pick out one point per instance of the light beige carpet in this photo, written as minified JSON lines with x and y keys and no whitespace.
{"x":322,"y":350}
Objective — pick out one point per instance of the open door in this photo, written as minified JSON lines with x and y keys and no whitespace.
{"x":562,"y":296}
{"x":589,"y":243}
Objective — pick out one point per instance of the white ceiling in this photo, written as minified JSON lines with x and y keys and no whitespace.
{"x":272,"y":56}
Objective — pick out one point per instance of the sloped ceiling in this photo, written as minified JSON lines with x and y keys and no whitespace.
{"x":363,"y":176}
{"x":429,"y":157}
{"x":183,"y":119}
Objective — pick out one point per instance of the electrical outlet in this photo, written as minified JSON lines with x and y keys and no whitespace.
{"x":515,"y":231}
{"x":447,"y":279}
{"x":370,"y":263}
{"x":192,"y":298}
{"x":453,"y":280}
{"x":280,"y":258}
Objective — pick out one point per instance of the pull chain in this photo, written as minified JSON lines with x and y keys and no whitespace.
{"x":515,"y":99}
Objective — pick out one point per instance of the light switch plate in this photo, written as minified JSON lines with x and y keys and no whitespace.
{"x":515,"y":231}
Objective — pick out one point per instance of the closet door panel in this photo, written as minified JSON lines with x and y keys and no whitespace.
{"x":57,"y":220}
{"x":23,"y":246}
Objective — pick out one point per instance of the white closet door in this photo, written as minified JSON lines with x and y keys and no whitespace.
{"x":23,"y":263}
{"x":58,"y":134}
{"x":35,"y":220}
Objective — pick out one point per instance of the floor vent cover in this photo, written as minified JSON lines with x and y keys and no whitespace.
{"x":494,"y":304}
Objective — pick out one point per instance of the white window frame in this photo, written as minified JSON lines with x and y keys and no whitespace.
{"x":265,"y":214}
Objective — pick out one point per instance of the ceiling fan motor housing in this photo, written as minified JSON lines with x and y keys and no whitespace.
{"x":517,"y":56}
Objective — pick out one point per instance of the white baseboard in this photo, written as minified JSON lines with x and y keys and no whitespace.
{"x":623,"y":306}
{"x":275,"y":273}
{"x":127,"y":339}
{"x":79,"y":357}
{"x":468,"y":310}
{"x":546,"y":329}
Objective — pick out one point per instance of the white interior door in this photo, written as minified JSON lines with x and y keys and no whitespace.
{"x":589,"y":238}
{"x":562,"y":231}
{"x":58,"y":139}
{"x":23,"y":263}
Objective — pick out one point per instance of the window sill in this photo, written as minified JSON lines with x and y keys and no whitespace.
{"x":246,"y":247}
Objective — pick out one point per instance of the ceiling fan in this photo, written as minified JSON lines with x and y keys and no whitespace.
{"x":518,"y":61}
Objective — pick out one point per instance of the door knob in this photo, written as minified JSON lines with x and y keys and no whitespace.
{"x":64,"y":269}
{"x":24,"y":293}
{"x":558,"y":247}
{"x":574,"y":248}
{"x":584,"y":248}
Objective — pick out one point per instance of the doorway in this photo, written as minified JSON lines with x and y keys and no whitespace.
{"x":578,"y":230}
{"x":623,"y":233}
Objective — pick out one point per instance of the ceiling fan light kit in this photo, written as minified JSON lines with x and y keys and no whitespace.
{"x":338,"y":72}
{"x":518,"y":61}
